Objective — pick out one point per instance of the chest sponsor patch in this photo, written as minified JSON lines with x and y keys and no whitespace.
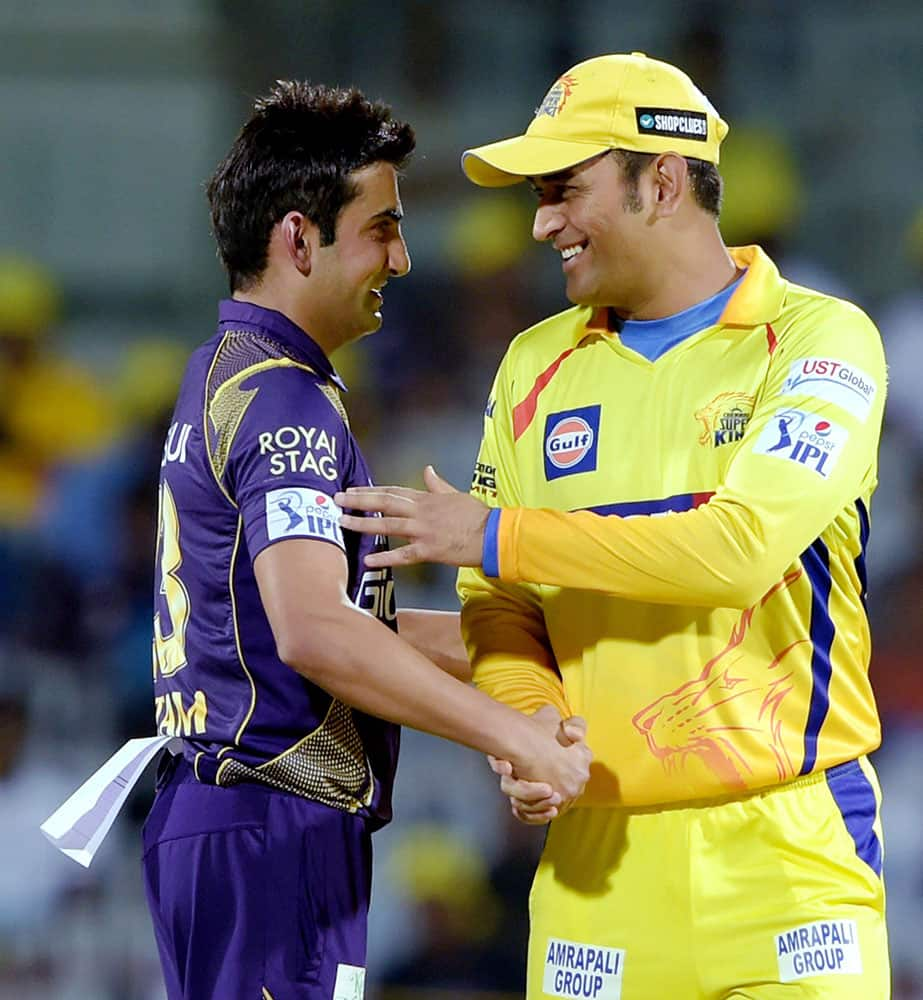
{"x":302,"y":513}
{"x":837,"y":382}
{"x":822,"y":948}
{"x":300,"y":449}
{"x":575,"y":969}
{"x":571,"y":441}
{"x":805,"y":438}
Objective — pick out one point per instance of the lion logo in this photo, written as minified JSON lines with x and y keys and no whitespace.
{"x":690,"y":720}
{"x":725,"y":418}
{"x":556,"y":98}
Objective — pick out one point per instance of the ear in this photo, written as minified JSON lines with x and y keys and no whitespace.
{"x":671,"y":181}
{"x":299,"y":238}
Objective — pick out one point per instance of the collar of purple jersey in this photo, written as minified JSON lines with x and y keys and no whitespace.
{"x":235,"y":315}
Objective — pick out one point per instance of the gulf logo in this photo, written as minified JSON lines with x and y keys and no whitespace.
{"x":569,"y":441}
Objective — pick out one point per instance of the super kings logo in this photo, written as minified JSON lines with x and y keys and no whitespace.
{"x":725,"y":419}
{"x":556,"y":98}
{"x":732,"y":710}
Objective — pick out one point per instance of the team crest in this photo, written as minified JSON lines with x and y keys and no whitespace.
{"x":556,"y":98}
{"x":725,"y":418}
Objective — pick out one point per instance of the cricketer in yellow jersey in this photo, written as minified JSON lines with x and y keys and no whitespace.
{"x":666,"y":536}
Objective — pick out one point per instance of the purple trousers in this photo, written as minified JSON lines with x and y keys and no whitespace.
{"x":254,"y":894}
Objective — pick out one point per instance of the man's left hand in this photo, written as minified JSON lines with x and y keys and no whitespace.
{"x":441,"y":524}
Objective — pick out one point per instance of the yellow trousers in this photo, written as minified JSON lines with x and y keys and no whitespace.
{"x":774,"y":896}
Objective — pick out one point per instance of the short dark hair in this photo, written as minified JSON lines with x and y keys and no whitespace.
{"x":704,"y":180}
{"x":296,"y":154}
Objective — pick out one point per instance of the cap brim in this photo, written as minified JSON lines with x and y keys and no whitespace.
{"x":510,"y":161}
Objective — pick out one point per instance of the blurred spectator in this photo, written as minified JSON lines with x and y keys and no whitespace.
{"x":52,"y":409}
{"x":35,"y":880}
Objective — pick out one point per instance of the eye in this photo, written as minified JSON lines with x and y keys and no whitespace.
{"x":385,"y":230}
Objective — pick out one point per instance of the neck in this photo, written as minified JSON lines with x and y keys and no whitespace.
{"x":272,"y":294}
{"x":695,"y":266}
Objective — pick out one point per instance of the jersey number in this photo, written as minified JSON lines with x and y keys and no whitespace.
{"x":170,"y":650}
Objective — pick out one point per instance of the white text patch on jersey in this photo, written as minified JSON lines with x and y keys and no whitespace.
{"x":805,"y":438}
{"x":575,"y":969}
{"x":299,"y":512}
{"x":300,"y":449}
{"x":823,"y":948}
{"x":837,"y":382}
{"x":350,"y":982}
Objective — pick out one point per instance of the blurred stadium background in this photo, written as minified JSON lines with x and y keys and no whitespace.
{"x":112,"y":115}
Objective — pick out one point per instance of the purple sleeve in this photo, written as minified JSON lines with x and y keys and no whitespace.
{"x":289,"y":455}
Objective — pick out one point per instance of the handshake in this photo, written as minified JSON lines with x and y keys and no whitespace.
{"x":568,"y":770}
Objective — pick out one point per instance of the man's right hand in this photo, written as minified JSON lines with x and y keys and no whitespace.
{"x":566,"y":763}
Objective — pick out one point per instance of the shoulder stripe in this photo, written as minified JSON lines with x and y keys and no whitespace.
{"x":524,"y":412}
{"x":227,"y":407}
{"x":771,"y":340}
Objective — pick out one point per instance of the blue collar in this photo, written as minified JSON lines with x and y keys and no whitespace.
{"x":654,"y":337}
{"x":236,"y":315}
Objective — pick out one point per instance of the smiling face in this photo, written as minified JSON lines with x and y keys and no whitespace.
{"x":601,"y":227}
{"x":348,"y":275}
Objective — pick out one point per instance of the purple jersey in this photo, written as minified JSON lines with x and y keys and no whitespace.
{"x":258,"y":445}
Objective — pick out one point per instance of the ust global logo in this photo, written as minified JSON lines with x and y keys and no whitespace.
{"x":805,"y":438}
{"x":836,"y":381}
{"x":571,"y":441}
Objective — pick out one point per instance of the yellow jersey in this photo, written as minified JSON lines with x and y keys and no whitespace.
{"x":678,"y":550}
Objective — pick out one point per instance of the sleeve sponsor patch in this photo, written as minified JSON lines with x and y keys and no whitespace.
{"x":835,"y":381}
{"x":304,"y":513}
{"x":802,"y":437}
{"x":484,"y":480}
{"x":296,"y":448}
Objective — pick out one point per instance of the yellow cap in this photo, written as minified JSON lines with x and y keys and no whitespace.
{"x":610,"y":102}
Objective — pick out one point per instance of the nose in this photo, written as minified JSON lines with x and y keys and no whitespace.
{"x":398,"y":257}
{"x":547,"y":222}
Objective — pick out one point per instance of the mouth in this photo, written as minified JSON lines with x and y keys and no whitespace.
{"x":570,"y":253}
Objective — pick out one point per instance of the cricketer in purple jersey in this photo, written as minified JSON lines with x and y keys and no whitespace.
{"x":257,"y":848}
{"x":258,"y":445}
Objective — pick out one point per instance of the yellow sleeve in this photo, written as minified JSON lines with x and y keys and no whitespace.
{"x":502,"y":623}
{"x":810,"y":449}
